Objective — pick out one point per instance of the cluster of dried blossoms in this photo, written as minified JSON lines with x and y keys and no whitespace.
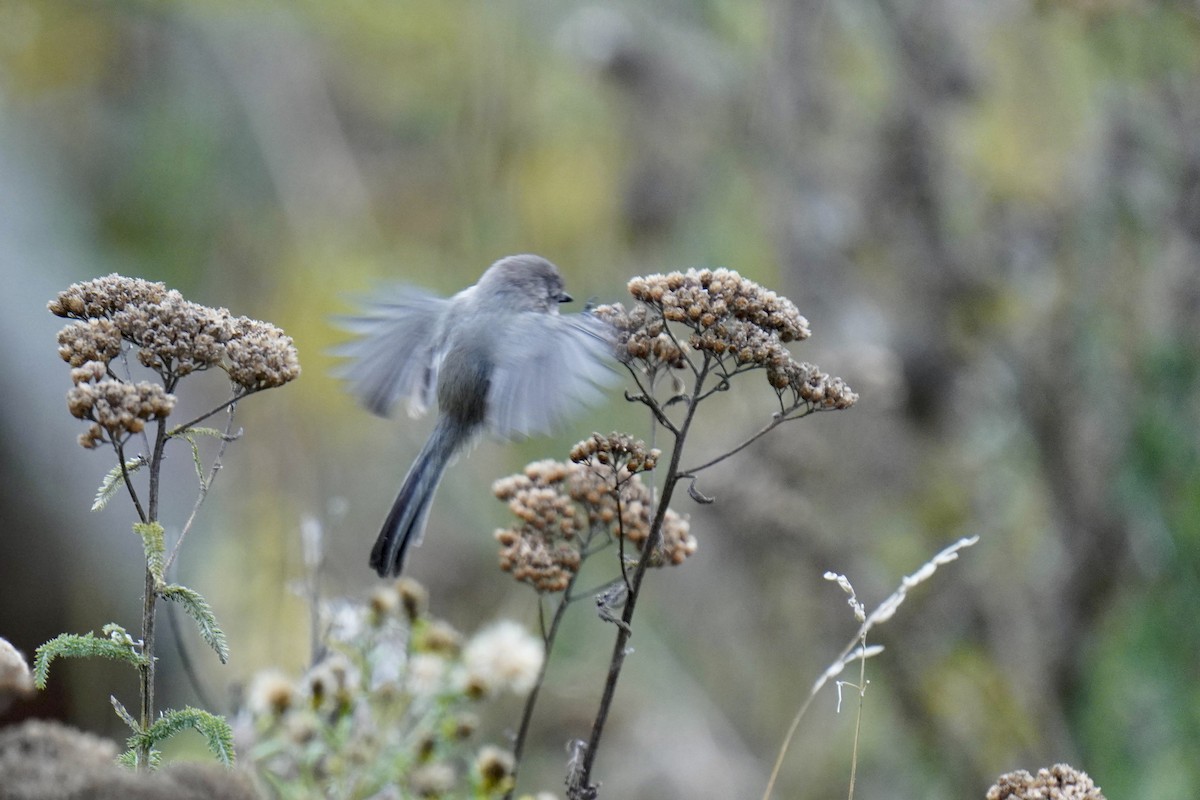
{"x":1060,"y":782}
{"x":733,"y":321}
{"x":562,"y":506}
{"x":173,"y":337}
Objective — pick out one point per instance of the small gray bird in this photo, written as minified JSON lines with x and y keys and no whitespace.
{"x":497,"y":356}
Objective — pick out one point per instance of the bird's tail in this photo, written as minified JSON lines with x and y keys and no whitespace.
{"x":405,"y":525}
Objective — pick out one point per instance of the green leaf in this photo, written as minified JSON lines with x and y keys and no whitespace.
{"x":130,"y":759}
{"x":214,"y":729}
{"x":113,"y":481}
{"x":202,"y":431}
{"x":74,"y":645}
{"x":155,"y":548}
{"x":124,"y":714}
{"x":190,"y":436}
{"x":199,"y":610}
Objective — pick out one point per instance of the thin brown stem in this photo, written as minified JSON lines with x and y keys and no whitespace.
{"x":647,"y":399}
{"x":531,"y":700}
{"x":137,"y":503}
{"x":149,"y":600}
{"x":205,"y":484}
{"x":237,"y":397}
{"x":778,"y":420}
{"x":580,"y":785}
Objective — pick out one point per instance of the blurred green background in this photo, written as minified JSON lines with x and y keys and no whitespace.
{"x":989,"y":212}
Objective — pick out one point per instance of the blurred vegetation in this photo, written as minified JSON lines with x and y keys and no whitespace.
{"x":990,"y":214}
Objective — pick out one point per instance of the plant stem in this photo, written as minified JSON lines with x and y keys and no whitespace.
{"x":531,"y":700}
{"x":205,"y":485}
{"x":146,"y":677}
{"x":149,"y":600}
{"x":862,"y":693}
{"x":581,"y":787}
{"x":778,"y":420}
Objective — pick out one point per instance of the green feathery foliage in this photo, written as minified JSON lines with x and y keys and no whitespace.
{"x":215,"y":730}
{"x":73,"y":645}
{"x":113,"y":482}
{"x":154,"y":546}
{"x":190,"y":435}
{"x":123,"y":713}
{"x":198,"y":609}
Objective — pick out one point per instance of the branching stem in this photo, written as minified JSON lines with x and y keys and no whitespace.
{"x":582,"y":786}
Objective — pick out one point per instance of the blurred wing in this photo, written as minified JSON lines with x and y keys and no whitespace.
{"x":551,"y":366}
{"x":395,"y":355}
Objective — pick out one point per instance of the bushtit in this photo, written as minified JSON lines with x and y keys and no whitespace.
{"x":497,"y":357}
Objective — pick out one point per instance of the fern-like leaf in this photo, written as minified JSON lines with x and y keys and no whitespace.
{"x":124,"y":714}
{"x":214,"y":729}
{"x":129,"y":759}
{"x":190,"y":435}
{"x":74,"y":645}
{"x":113,"y":481}
{"x":198,"y":609}
{"x":155,"y":548}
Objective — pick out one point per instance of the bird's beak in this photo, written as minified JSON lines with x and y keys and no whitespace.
{"x":563,"y":297}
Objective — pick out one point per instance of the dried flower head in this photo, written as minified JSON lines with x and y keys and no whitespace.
{"x":117,"y":409}
{"x":808,"y":385}
{"x":94,"y":340}
{"x":503,"y":656}
{"x":260,"y":356}
{"x":425,"y":674}
{"x":15,"y":678}
{"x":103,"y":297}
{"x":432,"y":780}
{"x":270,"y":695}
{"x":561,"y":505}
{"x":384,"y":602}
{"x":332,"y":684}
{"x":642,"y":336}
{"x":1060,"y":782}
{"x":494,"y":768}
{"x":437,"y":637}
{"x":172,"y":336}
{"x":732,"y":320}
{"x":414,"y":597}
{"x":619,"y":450}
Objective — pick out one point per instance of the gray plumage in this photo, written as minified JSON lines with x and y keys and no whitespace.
{"x":496,"y":357}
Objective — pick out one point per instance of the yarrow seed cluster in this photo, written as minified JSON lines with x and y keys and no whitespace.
{"x":116,"y":409}
{"x":617,"y":449}
{"x":173,"y":336}
{"x":733,"y":320}
{"x":702,"y":299}
{"x":560,"y":506}
{"x":1060,"y":782}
